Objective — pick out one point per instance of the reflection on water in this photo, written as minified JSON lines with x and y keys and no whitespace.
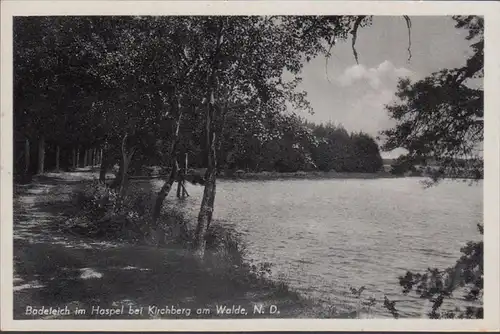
{"x":327,"y":235}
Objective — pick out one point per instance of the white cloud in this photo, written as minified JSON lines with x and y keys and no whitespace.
{"x":377,"y":77}
{"x":368,"y":112}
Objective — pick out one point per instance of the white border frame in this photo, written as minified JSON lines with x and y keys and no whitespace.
{"x":490,"y":10}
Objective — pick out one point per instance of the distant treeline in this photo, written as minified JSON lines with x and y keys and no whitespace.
{"x":296,"y":145}
{"x":291,"y":145}
{"x":434,"y":167}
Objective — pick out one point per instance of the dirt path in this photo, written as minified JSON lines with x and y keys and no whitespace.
{"x":53,"y":269}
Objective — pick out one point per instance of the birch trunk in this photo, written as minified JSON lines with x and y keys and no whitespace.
{"x":184,"y":190}
{"x":163,"y":193}
{"x":167,"y":186}
{"x":207,"y":203}
{"x":103,"y":169}
{"x":156,"y":231}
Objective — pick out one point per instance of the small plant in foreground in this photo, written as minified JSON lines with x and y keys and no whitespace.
{"x":362,"y":304}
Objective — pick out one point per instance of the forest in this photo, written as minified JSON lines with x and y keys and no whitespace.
{"x":207,"y":91}
{"x":89,"y":106}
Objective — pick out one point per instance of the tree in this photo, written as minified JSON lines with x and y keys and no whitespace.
{"x":441,"y":117}
{"x":366,"y":153}
{"x":247,"y":58}
{"x":51,"y":77}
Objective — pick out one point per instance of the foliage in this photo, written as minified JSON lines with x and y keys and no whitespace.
{"x":343,"y":152}
{"x":96,"y":213}
{"x":362,"y":304}
{"x":435,"y":285}
{"x":440,"y":117}
{"x":136,"y":77}
{"x":402,"y":165}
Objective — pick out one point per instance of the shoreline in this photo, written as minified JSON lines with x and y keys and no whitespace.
{"x":307,"y":175}
{"x":257,"y":176}
{"x":292,"y":175}
{"x":269,"y":176}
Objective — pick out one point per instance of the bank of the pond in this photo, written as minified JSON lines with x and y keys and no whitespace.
{"x":306,"y":175}
{"x":315,"y":175}
{"x":278,"y":176}
{"x":53,"y":268}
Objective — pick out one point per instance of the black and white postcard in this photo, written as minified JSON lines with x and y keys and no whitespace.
{"x":250,"y":165}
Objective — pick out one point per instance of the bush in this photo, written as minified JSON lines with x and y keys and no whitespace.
{"x":100,"y":213}
{"x":225,"y":250}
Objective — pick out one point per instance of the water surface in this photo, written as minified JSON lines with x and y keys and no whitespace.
{"x":323,"y":236}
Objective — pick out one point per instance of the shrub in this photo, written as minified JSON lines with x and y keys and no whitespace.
{"x":174,"y":227}
{"x":225,"y":247}
{"x":98,"y":213}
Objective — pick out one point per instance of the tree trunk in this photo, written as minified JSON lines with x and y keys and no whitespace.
{"x":118,"y":178}
{"x":41,"y":155}
{"x":155,"y":230}
{"x":27,"y":156}
{"x":103,"y":170}
{"x":78,"y":157}
{"x":96,"y":157}
{"x":126,"y":159}
{"x":165,"y":189}
{"x":74,"y":158}
{"x":179,"y":183}
{"x":207,"y":203}
{"x":57,"y":157}
{"x":85,"y":157}
{"x":184,"y":191}
{"x":163,"y":193}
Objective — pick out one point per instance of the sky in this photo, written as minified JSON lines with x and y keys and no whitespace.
{"x":355,"y":95}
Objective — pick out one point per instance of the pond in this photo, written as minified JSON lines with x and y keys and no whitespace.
{"x":324,"y":236}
